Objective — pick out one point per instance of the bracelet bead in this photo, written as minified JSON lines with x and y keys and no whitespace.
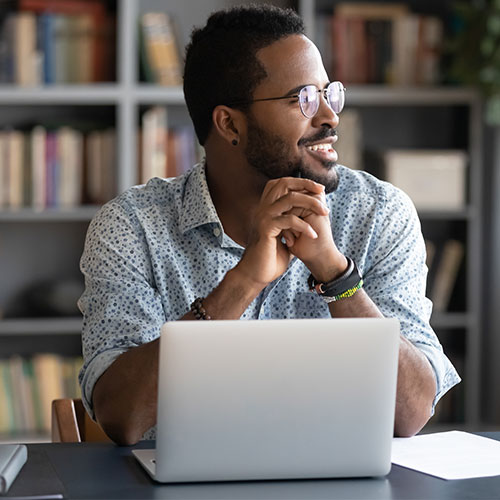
{"x":198,"y":310}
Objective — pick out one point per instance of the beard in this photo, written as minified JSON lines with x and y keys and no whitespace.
{"x":270,"y":155}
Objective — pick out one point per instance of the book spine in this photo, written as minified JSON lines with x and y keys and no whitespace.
{"x":160,"y":54}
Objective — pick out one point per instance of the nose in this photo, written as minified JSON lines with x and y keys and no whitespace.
{"x":325,"y":116}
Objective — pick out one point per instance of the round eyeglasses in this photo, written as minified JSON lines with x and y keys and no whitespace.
{"x":308,"y":98}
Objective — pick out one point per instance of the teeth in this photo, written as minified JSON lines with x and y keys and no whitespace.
{"x":320,"y":147}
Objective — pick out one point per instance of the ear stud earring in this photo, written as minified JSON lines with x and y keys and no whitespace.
{"x":234,"y":142}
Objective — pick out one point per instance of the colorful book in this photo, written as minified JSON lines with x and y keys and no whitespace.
{"x":159,"y":50}
{"x":102,"y":35}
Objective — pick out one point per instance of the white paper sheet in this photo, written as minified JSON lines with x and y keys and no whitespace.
{"x":448,"y":455}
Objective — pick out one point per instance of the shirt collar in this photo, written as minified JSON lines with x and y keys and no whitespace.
{"x":197,"y":206}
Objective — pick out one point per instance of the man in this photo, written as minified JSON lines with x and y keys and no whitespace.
{"x":247,"y":233}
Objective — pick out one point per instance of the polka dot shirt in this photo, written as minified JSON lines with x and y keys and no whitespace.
{"x":151,"y":251}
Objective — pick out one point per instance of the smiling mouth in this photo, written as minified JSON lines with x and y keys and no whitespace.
{"x":323,"y":152}
{"x":326,"y":148}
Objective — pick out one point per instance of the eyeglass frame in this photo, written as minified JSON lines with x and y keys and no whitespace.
{"x":297,"y":96}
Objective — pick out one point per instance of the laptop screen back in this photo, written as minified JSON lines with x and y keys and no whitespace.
{"x":276,"y":399}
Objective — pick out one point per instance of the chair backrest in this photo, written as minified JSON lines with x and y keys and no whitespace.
{"x":71,"y":423}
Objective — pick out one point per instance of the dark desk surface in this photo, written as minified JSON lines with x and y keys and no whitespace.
{"x":108,"y":471}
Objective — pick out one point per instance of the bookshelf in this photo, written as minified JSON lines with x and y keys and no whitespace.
{"x":414,"y":117}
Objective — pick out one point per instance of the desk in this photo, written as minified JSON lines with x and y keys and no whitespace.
{"x":94,"y":470}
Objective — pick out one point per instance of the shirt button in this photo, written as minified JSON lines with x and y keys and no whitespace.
{"x":217,"y":232}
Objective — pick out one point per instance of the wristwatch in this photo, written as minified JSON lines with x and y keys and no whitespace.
{"x":346,"y":285}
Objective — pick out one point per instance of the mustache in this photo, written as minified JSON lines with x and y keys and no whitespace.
{"x":322,"y":134}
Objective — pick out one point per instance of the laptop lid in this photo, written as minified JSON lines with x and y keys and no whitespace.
{"x":278,"y":399}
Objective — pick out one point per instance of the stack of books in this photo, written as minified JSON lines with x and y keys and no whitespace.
{"x":165,"y":151}
{"x":380,"y":43}
{"x":56,"y":168}
{"x":28,"y":387}
{"x":57,"y":42}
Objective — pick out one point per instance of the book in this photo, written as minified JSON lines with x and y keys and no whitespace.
{"x":15,"y":165}
{"x":5,"y":404}
{"x":48,"y":373}
{"x":94,"y":167}
{"x":8,"y":48}
{"x":25,"y":58}
{"x":109,"y":183}
{"x":38,"y":167}
{"x":446,"y":274}
{"x":340,"y":48}
{"x":84,"y":33}
{"x":379,"y":50}
{"x":12,"y":459}
{"x":405,"y":43}
{"x":4,"y":170}
{"x":52,"y":169}
{"x":46,"y":35}
{"x":100,"y":166}
{"x":429,"y":50}
{"x":70,"y":154}
{"x":21,"y":400}
{"x":61,"y":51}
{"x":8,"y":393}
{"x":159,"y":50}
{"x":154,"y":143}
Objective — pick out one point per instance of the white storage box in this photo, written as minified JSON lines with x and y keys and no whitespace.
{"x":434,"y":179}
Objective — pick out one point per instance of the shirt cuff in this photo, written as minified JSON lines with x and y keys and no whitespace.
{"x":445,"y":373}
{"x":92,"y":373}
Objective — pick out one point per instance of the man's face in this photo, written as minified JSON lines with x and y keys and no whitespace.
{"x":281,"y":141}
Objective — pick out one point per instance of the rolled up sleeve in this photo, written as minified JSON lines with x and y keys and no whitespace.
{"x":121,"y":306}
{"x":396,"y":282}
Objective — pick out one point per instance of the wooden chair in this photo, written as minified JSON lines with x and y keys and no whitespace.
{"x":71,"y":423}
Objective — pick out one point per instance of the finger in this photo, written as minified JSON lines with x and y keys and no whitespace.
{"x":289,"y":237}
{"x":276,"y":188}
{"x":295,"y":224}
{"x":294,"y":200}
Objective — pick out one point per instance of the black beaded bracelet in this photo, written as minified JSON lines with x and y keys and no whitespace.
{"x":198,"y":310}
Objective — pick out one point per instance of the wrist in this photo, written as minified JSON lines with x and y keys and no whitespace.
{"x":245,"y":281}
{"x":329,"y":269}
{"x":229,"y":300}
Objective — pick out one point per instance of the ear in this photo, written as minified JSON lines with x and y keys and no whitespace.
{"x":229,"y":123}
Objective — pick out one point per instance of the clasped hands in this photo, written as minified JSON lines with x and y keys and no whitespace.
{"x":293,"y":210}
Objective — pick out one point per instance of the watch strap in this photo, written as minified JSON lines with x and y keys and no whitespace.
{"x":344,"y":286}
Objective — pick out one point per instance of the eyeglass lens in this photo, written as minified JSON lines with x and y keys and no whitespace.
{"x":309,"y":97}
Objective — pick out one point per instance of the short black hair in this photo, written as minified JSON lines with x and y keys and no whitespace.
{"x":221,"y":64}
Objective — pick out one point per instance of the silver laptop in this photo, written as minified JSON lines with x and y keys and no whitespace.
{"x":278,"y":399}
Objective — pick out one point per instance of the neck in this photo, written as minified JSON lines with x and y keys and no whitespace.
{"x":235,"y":189}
